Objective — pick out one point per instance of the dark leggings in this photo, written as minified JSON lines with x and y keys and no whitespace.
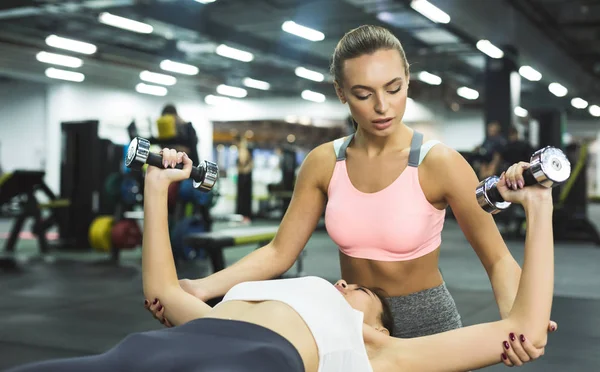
{"x":201,"y":345}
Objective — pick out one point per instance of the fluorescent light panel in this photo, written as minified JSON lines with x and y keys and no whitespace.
{"x":309,"y":74}
{"x":309,"y":95}
{"x":557,"y":89}
{"x":430,"y":11}
{"x":180,"y":68}
{"x":205,"y":1}
{"x":521,"y":112}
{"x":216,"y":100}
{"x":125,"y":23}
{"x":467,"y":93}
{"x":429,"y":78}
{"x":153,"y":90}
{"x":485,"y":46}
{"x":530,"y":73}
{"x":256,"y":84}
{"x":153,"y":77}
{"x":55,"y":73}
{"x":579,"y":103}
{"x":227,"y":90}
{"x":307,"y":33}
{"x":594,"y":110}
{"x":59,"y":59}
{"x":233,"y":53}
{"x":70,"y":44}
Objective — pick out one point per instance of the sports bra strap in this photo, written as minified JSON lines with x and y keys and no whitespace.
{"x":415,"y":149}
{"x":340,"y":145}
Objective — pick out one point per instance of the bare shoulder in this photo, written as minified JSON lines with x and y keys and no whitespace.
{"x":445,"y":159}
{"x":319,"y":164}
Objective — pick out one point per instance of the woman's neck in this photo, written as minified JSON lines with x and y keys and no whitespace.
{"x":378,"y":145}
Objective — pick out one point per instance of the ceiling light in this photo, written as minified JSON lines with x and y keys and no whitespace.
{"x":430,"y":11}
{"x":256,"y":84}
{"x":309,"y":95}
{"x":205,"y":1}
{"x":521,"y":112}
{"x":309,"y":74}
{"x":125,"y":23}
{"x":302,"y":31}
{"x":579,"y":103}
{"x":530,"y":73}
{"x":594,"y":110}
{"x":153,"y":90}
{"x":153,"y":77}
{"x":55,"y":73}
{"x":216,"y":100}
{"x":467,"y":93}
{"x":557,"y":89}
{"x":59,"y":59}
{"x":180,"y":68}
{"x":227,"y":90}
{"x":70,"y":44}
{"x":429,"y":78}
{"x":233,"y":53}
{"x":485,"y":46}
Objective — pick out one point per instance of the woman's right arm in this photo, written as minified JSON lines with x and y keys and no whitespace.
{"x":478,"y":346}
{"x":299,"y":222}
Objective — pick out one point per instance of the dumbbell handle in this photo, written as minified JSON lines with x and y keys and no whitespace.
{"x":529,"y":181}
{"x":156,"y":160}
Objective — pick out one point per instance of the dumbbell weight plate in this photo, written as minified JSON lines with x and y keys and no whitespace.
{"x":484,"y":191}
{"x":550,"y":166}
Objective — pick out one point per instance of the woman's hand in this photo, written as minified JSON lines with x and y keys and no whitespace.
{"x":192,"y":287}
{"x":512,"y":187}
{"x":518,"y":350}
{"x":157,"y":311}
{"x":163,"y":177}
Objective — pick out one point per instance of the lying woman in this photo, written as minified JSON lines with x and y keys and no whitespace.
{"x":307,"y":324}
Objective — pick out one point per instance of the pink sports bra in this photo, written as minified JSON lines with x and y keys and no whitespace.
{"x":395,"y":224}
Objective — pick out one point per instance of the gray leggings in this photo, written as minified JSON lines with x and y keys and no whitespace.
{"x":424,"y":313}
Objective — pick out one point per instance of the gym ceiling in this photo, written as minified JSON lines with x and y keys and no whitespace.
{"x":558,"y":38}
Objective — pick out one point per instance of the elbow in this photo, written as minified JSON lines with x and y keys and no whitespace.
{"x":536,"y":333}
{"x":281,"y":259}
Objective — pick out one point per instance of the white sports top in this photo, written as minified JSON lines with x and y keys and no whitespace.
{"x":335,"y":325}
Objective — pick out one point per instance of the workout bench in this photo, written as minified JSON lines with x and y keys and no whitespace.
{"x":215,"y":241}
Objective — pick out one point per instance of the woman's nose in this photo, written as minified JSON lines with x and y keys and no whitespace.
{"x":342,"y":283}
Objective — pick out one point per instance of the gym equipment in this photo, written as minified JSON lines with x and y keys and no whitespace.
{"x":549,"y":167}
{"x":19,"y":189}
{"x":215,"y":241}
{"x":126,"y":234}
{"x":205,"y":175}
{"x":188,"y":225}
{"x":100,"y":233}
{"x":130,"y":190}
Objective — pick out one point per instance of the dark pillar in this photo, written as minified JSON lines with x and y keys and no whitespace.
{"x":551,"y":124}
{"x":502,"y":89}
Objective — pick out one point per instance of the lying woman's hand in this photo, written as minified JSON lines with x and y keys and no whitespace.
{"x":518,"y":350}
{"x":157,"y":311}
{"x":168,"y":174}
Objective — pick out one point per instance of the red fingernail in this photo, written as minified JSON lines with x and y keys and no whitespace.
{"x":503,"y":356}
{"x":522,"y":338}
{"x":506,"y":345}
{"x":155,"y":301}
{"x":512,"y":336}
{"x":553,"y":328}
{"x":159,"y":307}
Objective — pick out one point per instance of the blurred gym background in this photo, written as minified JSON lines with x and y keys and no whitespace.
{"x":245,"y":83}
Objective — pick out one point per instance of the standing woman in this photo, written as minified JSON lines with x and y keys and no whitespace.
{"x":244,"y":183}
{"x":385,"y":193}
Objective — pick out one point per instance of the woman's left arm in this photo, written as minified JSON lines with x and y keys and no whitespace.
{"x":158,"y":266}
{"x":455,"y":183}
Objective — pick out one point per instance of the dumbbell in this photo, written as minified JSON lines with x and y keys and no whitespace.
{"x":549,"y":167}
{"x":204,"y":175}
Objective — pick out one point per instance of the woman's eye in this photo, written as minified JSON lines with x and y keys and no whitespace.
{"x":396,"y":91}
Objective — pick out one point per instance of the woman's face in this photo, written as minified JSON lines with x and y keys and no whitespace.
{"x":375,"y":87}
{"x":363,"y":300}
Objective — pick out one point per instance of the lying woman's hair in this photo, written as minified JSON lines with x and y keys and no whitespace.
{"x":386,"y":317}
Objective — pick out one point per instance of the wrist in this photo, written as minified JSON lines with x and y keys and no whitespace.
{"x":538,"y":202}
{"x":156,"y":185}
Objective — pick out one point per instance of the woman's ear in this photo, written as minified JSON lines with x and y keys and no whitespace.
{"x":340,"y":93}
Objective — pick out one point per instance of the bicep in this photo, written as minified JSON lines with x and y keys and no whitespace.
{"x":461,"y":349}
{"x":181,"y":307}
{"x":305,"y":209}
{"x":478,"y":226}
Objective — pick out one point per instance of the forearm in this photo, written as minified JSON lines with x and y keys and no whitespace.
{"x":158,"y":267}
{"x":504,"y":277}
{"x":262,"y":264}
{"x":533,"y":303}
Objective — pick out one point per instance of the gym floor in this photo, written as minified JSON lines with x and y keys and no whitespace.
{"x":74,"y":305}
